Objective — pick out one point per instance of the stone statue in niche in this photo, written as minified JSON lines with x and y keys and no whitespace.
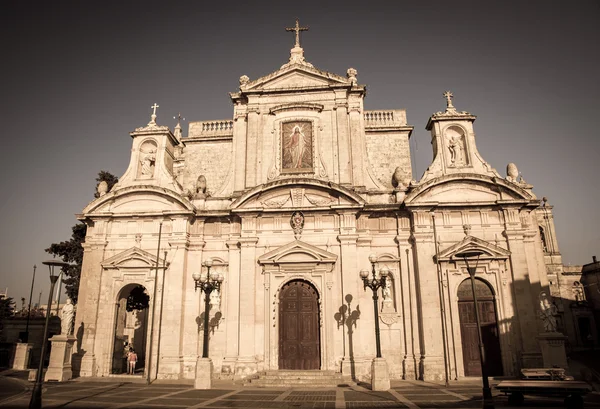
{"x":147,"y":161}
{"x":388,"y":302}
{"x":548,"y":312}
{"x":512,"y":173}
{"x":456,"y":150}
{"x":200,"y":191}
{"x":297,"y":146}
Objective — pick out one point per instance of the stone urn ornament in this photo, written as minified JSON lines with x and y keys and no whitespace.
{"x":102,"y":188}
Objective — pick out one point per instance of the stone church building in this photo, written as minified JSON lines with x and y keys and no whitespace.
{"x":288,"y":198}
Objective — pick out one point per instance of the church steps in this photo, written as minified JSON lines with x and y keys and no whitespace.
{"x":288,"y":378}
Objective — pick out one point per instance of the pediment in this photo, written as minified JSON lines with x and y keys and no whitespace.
{"x":296,"y":76}
{"x":298,"y":252}
{"x":466,"y":188}
{"x":469,"y":244}
{"x":132,"y":258}
{"x":297,"y":195}
{"x":139,"y":199}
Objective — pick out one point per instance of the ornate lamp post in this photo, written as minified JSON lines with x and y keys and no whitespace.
{"x":36,"y":395}
{"x":207,"y":284}
{"x":488,"y":401}
{"x":379,"y":374}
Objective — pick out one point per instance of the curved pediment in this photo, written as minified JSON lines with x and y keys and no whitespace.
{"x":138,"y":199}
{"x":297,"y":252}
{"x":467,"y":188}
{"x":133,"y":258}
{"x":472,"y":244}
{"x":296,"y":194}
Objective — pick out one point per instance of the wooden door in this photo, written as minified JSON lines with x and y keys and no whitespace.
{"x":489,"y":329}
{"x":299,"y":345}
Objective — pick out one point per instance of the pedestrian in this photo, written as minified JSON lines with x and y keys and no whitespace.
{"x":132,"y":360}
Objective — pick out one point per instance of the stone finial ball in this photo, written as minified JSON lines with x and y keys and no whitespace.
{"x":102,"y":188}
{"x":512,"y":170}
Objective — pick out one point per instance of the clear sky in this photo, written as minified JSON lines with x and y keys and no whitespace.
{"x":77,"y":77}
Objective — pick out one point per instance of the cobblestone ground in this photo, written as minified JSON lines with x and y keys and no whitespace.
{"x":405,"y":394}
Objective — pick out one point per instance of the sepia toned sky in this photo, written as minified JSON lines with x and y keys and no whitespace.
{"x":79,"y":76}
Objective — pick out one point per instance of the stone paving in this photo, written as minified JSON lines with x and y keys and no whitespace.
{"x":134,"y":394}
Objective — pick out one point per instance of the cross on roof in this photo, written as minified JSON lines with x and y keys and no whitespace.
{"x":297,"y":29}
{"x":448,"y":95}
{"x":154,"y":107}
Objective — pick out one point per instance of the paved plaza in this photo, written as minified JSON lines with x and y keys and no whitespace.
{"x":134,"y":393}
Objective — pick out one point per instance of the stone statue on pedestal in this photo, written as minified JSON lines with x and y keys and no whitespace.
{"x":548,"y":313}
{"x":67,"y":314}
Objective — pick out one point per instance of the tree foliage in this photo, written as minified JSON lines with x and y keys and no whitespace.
{"x":7,"y":307}
{"x":138,"y":299}
{"x":71,"y":251}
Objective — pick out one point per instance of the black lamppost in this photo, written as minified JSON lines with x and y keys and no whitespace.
{"x":375,"y":284}
{"x":488,"y":401}
{"x":29,"y":309}
{"x":207,"y":284}
{"x":36,"y":395}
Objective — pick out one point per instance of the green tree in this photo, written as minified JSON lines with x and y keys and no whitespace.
{"x":7,"y":307}
{"x":71,"y":251}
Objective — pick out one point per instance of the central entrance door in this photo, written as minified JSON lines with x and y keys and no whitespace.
{"x":299,"y":345}
{"x":489,"y":328}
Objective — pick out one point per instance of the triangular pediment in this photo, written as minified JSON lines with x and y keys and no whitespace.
{"x":298,"y":252}
{"x":295,"y":76}
{"x":132,"y":258}
{"x":488,"y":250}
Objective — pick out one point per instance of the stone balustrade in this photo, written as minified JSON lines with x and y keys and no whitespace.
{"x":201,"y":129}
{"x":385,"y":119}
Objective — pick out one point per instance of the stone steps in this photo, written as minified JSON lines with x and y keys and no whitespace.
{"x":287,"y":378}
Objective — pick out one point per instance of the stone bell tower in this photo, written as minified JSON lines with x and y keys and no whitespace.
{"x":453,"y":140}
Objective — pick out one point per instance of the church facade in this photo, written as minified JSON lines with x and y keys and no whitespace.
{"x":288,"y":200}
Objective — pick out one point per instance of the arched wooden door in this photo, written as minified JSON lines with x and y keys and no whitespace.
{"x":299,"y":338}
{"x":489,"y":328}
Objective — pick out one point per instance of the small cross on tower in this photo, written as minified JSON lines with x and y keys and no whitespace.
{"x":297,"y":29}
{"x":153,"y":116}
{"x":448,"y":95}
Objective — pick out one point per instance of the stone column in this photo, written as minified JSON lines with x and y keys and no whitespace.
{"x":22,"y":355}
{"x":246,"y":362}
{"x":427,"y":299}
{"x":343,"y":144}
{"x":239,"y":147}
{"x":232,"y":288}
{"x":86,"y":319}
{"x":59,"y":367}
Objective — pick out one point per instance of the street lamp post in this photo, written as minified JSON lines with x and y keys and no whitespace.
{"x":379,"y":372}
{"x":207,"y":284}
{"x":36,"y":395}
{"x":488,"y":401}
{"x":29,"y":309}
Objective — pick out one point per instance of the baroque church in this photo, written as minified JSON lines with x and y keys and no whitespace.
{"x":288,"y":200}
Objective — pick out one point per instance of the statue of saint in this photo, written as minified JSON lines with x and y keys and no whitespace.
{"x":147,"y":164}
{"x":548,"y":313}
{"x":67,"y":314}
{"x":455,"y":148}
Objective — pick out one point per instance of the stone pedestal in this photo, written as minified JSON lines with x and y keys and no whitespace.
{"x":22,"y":354}
{"x":59,"y":368}
{"x":203,"y":374}
{"x":380,"y":376}
{"x":552,"y":345}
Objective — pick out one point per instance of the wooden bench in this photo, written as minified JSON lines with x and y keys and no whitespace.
{"x":572,"y":391}
{"x":550,"y":374}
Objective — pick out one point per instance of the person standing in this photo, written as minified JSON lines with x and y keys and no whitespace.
{"x":132,"y":360}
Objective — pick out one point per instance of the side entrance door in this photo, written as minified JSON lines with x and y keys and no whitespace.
{"x":299,"y":338}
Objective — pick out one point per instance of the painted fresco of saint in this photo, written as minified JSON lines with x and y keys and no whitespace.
{"x":296,"y":147}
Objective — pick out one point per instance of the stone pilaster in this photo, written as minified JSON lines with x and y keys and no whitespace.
{"x":357,"y":139}
{"x":232,"y":283}
{"x":252,"y":136}
{"x":246,"y":362}
{"x":343,"y":143}
{"x":240,"y":129}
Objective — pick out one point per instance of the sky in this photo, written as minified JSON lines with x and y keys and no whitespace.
{"x":77,"y":77}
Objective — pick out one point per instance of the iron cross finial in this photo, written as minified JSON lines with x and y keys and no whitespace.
{"x":449,"y":95}
{"x":297,"y":29}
